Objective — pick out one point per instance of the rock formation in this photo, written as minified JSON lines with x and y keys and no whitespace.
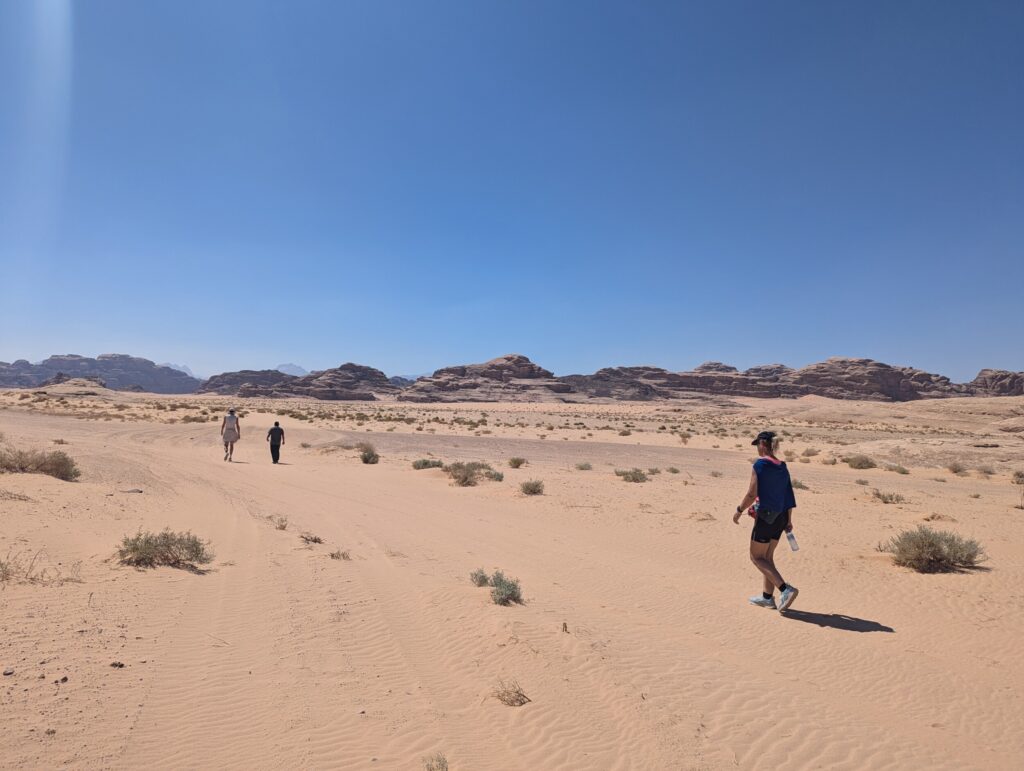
{"x":507,"y":378}
{"x":349,"y":382}
{"x":118,"y":371}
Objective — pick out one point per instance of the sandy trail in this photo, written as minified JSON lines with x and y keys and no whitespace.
{"x":280,"y":657}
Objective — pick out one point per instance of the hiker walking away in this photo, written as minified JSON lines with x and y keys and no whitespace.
{"x":276,"y":438}
{"x":772,"y":489}
{"x":230,"y":432}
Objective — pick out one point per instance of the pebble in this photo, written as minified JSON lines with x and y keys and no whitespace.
{"x":8,"y":672}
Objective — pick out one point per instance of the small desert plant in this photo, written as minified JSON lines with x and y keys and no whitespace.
{"x":55,"y":463}
{"x":423,"y":463}
{"x":672,"y":470}
{"x":685,"y":436}
{"x":60,"y":441}
{"x":859,"y":462}
{"x":888,"y":497}
{"x":860,"y":481}
{"x":279,"y":523}
{"x":435,"y":762}
{"x":985,"y":471}
{"x":516,"y":462}
{"x":956,"y":467}
{"x":653,"y":471}
{"x":625,"y":432}
{"x":479,"y":577}
{"x":505,"y":590}
{"x":305,"y":445}
{"x":466,"y":474}
{"x":532,"y":487}
{"x":798,"y":485}
{"x":510,"y":694}
{"x":897,"y":468}
{"x":1018,"y":478}
{"x":587,"y":467}
{"x":178,"y":550}
{"x":829,"y":461}
{"x":716,"y":474}
{"x":340,"y":555}
{"x":810,"y":452}
{"x":494,"y":476}
{"x":631,"y":475}
{"x":933,"y":551}
{"x":309,"y":538}
{"x":367,"y":453}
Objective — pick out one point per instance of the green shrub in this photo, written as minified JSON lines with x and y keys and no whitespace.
{"x":54,"y":463}
{"x":587,"y":467}
{"x":178,"y":550}
{"x":423,"y":463}
{"x":859,"y":462}
{"x":532,"y":487}
{"x":479,"y":577}
{"x":653,"y":471}
{"x":933,"y":551}
{"x":466,"y":474}
{"x":516,"y":462}
{"x":494,"y":476}
{"x":367,"y":453}
{"x":505,"y":591}
{"x":631,"y":475}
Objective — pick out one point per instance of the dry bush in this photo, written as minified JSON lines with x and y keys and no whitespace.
{"x":810,"y":452}
{"x":177,"y":550}
{"x":985,"y":471}
{"x":956,"y":467}
{"x":653,"y":471}
{"x":309,"y":538}
{"x":367,"y":453}
{"x":829,"y":461}
{"x":532,"y":487}
{"x":435,"y":762}
{"x":279,"y":523}
{"x":896,"y":468}
{"x":494,"y":476}
{"x":510,"y":694}
{"x":860,"y":481}
{"x":587,"y":467}
{"x":479,"y":577}
{"x":625,"y":432}
{"x":631,"y":475}
{"x":859,"y":462}
{"x":516,"y":462}
{"x":466,"y":474}
{"x":933,"y":551}
{"x":340,"y":555}
{"x":423,"y":463}
{"x":888,"y":497}
{"x":55,"y":463}
{"x":505,"y":591}
{"x":35,"y":568}
{"x":1018,"y":478}
{"x":798,"y":485}
{"x":716,"y":474}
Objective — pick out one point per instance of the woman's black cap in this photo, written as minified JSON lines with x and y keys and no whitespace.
{"x":764,"y":436}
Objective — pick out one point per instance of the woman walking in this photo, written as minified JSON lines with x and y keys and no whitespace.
{"x":230,"y":432}
{"x":772,"y":488}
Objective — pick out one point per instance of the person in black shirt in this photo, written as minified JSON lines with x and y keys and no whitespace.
{"x":276,"y":438}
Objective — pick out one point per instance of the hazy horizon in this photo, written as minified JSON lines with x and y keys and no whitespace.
{"x":410,"y":186}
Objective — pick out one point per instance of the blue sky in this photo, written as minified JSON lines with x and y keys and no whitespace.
{"x":411,"y":185}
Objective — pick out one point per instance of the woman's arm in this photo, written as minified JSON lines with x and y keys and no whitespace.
{"x":748,"y":499}
{"x":222,"y":422}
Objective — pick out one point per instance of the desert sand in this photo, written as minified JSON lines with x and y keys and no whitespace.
{"x":635,"y":643}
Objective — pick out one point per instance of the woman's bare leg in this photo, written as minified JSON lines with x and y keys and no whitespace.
{"x":762,"y":555}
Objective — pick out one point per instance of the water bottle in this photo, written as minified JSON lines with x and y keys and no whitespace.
{"x":792,"y":542}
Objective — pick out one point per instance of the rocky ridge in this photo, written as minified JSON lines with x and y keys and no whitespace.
{"x":119,"y":371}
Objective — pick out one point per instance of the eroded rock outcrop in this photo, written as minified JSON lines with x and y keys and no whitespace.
{"x":117,"y":370}
{"x":349,"y":382}
{"x":998,"y":382}
{"x":508,"y":378}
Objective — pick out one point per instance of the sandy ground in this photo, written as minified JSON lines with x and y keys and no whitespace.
{"x":635,"y":644}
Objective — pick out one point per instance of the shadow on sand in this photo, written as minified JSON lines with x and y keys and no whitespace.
{"x":837,"y":621}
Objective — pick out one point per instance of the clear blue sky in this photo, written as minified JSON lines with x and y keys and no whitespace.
{"x":416,"y":184}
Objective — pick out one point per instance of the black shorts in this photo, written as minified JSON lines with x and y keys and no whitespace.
{"x":765,"y":533}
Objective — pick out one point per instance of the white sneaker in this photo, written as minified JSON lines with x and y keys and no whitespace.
{"x":760,"y":601}
{"x":787,"y":597}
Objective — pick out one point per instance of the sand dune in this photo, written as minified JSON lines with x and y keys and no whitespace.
{"x":282,"y":657}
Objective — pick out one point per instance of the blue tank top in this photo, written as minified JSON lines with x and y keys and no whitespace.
{"x":774,"y":488}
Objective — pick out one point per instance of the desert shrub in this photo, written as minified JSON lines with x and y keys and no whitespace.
{"x":435,"y":762}
{"x":1018,"y":478}
{"x":956,"y":467}
{"x":625,"y":432}
{"x":516,"y":462}
{"x":684,"y":436}
{"x":504,"y":590}
{"x":860,"y":481}
{"x":716,"y":474}
{"x":309,"y":538}
{"x":177,"y":550}
{"x":423,"y":463}
{"x":859,"y":462}
{"x":194,"y":419}
{"x":305,"y":445}
{"x":367,"y":453}
{"x":798,"y":485}
{"x":479,"y":577}
{"x":587,"y":467}
{"x":55,"y":441}
{"x":672,"y":470}
{"x":653,"y":471}
{"x":279,"y":523}
{"x":810,"y":452}
{"x":888,"y":497}
{"x":55,"y":463}
{"x":933,"y":551}
{"x":341,"y":555}
{"x":985,"y":471}
{"x":494,"y":476}
{"x":532,"y":487}
{"x":631,"y":475}
{"x":466,"y":474}
{"x":829,"y":461}
{"x":896,"y":468}
{"x":510,"y":694}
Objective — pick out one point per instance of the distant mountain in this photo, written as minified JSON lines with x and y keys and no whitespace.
{"x":292,"y":369}
{"x":180,"y":368}
{"x":348,"y":382}
{"x":117,"y":370}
